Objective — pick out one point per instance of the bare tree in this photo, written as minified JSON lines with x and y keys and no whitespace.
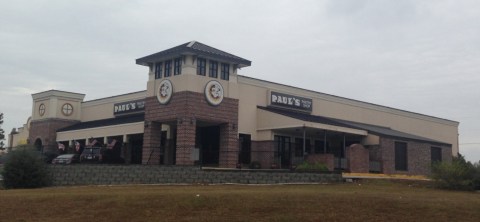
{"x":2,"y":133}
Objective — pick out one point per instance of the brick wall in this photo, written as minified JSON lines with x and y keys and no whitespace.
{"x":84,"y":174}
{"x":327,"y":159}
{"x":151,"y":147}
{"x":358,"y":160}
{"x":263,"y":152}
{"x":46,"y":130}
{"x":184,"y":111}
{"x":418,"y":156}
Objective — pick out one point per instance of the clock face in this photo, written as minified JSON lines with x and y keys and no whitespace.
{"x":42,"y":109}
{"x":165,"y":91}
{"x":214,"y":93}
{"x":67,"y":109}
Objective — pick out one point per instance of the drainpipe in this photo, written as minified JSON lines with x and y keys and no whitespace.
{"x":304,"y":142}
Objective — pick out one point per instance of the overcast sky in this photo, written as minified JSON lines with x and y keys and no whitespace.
{"x":420,"y":56}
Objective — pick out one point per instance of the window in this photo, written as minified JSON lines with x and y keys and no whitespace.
{"x":245,"y":148}
{"x":213,"y":69}
{"x":201,"y":66}
{"x":299,"y":146}
{"x":168,"y":68}
{"x":436,"y":154}
{"x":177,"y":65}
{"x":401,"y":156}
{"x":321,"y":147}
{"x":158,"y":70}
{"x":225,"y":72}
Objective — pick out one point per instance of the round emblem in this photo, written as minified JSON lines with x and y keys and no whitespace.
{"x":165,"y":91}
{"x":41,"y":109}
{"x":214,"y":92}
{"x":67,"y":109}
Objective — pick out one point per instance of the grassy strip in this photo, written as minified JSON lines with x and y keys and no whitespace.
{"x":369,"y":201}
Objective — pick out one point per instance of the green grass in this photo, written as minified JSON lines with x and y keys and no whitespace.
{"x":369,"y":201}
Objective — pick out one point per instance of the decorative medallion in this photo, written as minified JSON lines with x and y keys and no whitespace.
{"x":67,"y":109}
{"x":165,"y":91}
{"x":41,"y":109}
{"x":214,"y":92}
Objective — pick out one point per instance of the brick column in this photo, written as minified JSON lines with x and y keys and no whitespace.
{"x":358,"y":159}
{"x":151,"y":143}
{"x":186,"y":131}
{"x":228,"y":156}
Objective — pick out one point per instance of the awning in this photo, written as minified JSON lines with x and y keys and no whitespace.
{"x":275,"y":119}
{"x":125,"y":125}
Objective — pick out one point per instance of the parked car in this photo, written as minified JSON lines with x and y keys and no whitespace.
{"x":66,"y":159}
{"x":91,"y":154}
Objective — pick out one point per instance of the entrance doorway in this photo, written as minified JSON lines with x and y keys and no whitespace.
{"x":283,"y":151}
{"x":38,"y":144}
{"x":136,"y":144}
{"x":208,"y":141}
{"x":245,"y":148}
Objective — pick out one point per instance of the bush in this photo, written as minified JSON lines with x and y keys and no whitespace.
{"x":309,"y":166}
{"x":476,"y":176}
{"x":24,"y":168}
{"x":457,"y":175}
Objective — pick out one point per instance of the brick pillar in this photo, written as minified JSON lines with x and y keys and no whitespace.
{"x":228,"y":156}
{"x":151,"y":143}
{"x":358,"y":160}
{"x":186,"y":131}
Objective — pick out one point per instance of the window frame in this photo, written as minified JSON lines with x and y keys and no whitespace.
{"x":435,"y":154}
{"x":201,"y":67}
{"x":177,"y":66}
{"x":158,"y":70}
{"x":225,"y":71}
{"x":213,"y":69}
{"x":168,"y":68}
{"x":401,"y":156}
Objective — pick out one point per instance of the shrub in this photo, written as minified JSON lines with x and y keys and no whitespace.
{"x":24,"y":168}
{"x":457,"y":175}
{"x":476,"y":176}
{"x":309,"y":166}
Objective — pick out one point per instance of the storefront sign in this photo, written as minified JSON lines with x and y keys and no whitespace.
{"x":129,"y":107}
{"x":290,"y":101}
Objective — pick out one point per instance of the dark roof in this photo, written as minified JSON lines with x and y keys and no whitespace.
{"x":105,"y":122}
{"x":194,"y":48}
{"x":303,"y":116}
{"x":372,"y":129}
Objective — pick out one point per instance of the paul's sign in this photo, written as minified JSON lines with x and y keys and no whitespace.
{"x":290,"y":101}
{"x":129,"y":107}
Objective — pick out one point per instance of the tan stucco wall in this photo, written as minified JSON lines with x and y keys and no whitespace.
{"x":253,"y":92}
{"x":103,"y":108}
{"x":53,"y":101}
{"x":190,"y":81}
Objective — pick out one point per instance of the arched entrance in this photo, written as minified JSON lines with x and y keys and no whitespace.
{"x":38,"y":144}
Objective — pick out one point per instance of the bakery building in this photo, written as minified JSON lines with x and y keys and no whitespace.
{"x":197,"y":110}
